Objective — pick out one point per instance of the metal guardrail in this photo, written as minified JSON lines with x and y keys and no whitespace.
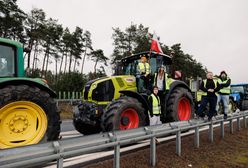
{"x":58,"y":150}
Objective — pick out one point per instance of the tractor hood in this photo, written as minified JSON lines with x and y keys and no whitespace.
{"x":104,"y":90}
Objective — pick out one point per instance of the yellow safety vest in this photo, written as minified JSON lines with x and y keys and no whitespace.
{"x":156,"y":108}
{"x":166,"y":81}
{"x":225,"y":90}
{"x":144,"y":68}
{"x":205,"y":82}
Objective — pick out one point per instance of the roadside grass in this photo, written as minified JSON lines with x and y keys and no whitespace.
{"x":66,"y":110}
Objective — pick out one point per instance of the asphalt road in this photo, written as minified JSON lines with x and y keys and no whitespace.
{"x":67,"y":125}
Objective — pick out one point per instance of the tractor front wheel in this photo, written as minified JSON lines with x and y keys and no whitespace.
{"x":27,"y":116}
{"x":122,"y":114}
{"x":180,"y":105}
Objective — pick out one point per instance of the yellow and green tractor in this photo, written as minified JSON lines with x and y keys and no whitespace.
{"x":28,"y":112}
{"x":114,"y":103}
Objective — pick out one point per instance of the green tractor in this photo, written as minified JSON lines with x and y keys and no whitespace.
{"x":113,"y":103}
{"x":28,"y":112}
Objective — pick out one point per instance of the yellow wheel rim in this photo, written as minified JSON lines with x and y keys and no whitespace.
{"x":21,"y":123}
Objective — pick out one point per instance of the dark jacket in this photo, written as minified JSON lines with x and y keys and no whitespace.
{"x":210,"y":85}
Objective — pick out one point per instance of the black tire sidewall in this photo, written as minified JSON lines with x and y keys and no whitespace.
{"x":176,"y":95}
{"x":42,"y":99}
{"x":116,"y":110}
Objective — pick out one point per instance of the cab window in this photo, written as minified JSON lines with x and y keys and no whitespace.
{"x":7,"y":61}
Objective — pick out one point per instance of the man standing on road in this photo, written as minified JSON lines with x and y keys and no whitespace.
{"x":155,"y":111}
{"x":210,"y":87}
{"x":224,"y":92}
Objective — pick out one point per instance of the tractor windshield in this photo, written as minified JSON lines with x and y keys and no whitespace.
{"x":7,"y":61}
{"x":131,"y":67}
{"x":237,"y":89}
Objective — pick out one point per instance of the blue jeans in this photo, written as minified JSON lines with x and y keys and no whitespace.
{"x":212,"y":100}
{"x":225,"y":101}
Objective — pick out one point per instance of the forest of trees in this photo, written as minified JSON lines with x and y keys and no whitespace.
{"x":67,"y":51}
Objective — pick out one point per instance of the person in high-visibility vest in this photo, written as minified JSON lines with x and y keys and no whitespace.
{"x":155,"y":111}
{"x":210,"y":87}
{"x":143,"y":72}
{"x":160,"y":80}
{"x":224,"y":92}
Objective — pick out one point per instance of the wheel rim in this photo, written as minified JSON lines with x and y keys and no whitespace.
{"x":21,"y":123}
{"x":133,"y":119}
{"x":184,"y":109}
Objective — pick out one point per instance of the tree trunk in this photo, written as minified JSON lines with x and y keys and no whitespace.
{"x":35,"y":54}
{"x":30,"y":45}
{"x":95,"y":67}
{"x":56,"y":71}
{"x":47,"y":63}
{"x":65,"y":62}
{"x":74,"y":68}
{"x":62,"y":58}
{"x":82,"y":69}
{"x":43,"y":64}
{"x":70,"y":62}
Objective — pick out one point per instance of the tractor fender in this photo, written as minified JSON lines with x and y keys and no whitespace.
{"x":174,"y":85}
{"x":29,"y":83}
{"x":143,"y":99}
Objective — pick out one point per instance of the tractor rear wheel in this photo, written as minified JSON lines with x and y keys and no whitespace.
{"x":180,"y":105}
{"x":122,"y":114}
{"x":28,"y":115}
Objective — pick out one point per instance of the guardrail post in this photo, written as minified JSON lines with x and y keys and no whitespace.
{"x":117,"y":156}
{"x":231,"y":126}
{"x":244,"y":120}
{"x":178,"y":143}
{"x":238,"y":123}
{"x":59,"y":95}
{"x":117,"y":147}
{"x":59,"y":150}
{"x":211,"y":132}
{"x":64,"y":95}
{"x":197,"y":137}
{"x":153,"y":151}
{"x":222,"y":129}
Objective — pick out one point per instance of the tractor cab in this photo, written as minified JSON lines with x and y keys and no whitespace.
{"x":9,"y":60}
{"x":128,"y":65}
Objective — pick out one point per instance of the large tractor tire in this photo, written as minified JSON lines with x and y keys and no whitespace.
{"x":80,"y":123}
{"x":180,"y":105}
{"x":28,"y":115}
{"x":85,"y":129}
{"x":122,"y":114}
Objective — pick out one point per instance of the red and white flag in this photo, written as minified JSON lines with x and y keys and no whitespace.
{"x":155,"y":46}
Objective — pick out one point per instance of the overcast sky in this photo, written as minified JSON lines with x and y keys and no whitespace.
{"x":215,"y":32}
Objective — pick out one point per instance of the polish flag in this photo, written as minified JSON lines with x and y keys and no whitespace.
{"x":155,"y":46}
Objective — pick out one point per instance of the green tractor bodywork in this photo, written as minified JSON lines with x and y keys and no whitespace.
{"x":28,"y":112}
{"x":113,"y":103}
